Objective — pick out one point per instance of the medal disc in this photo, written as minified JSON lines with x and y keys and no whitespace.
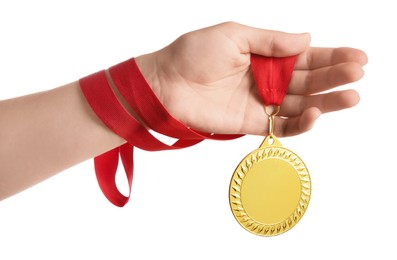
{"x":270,"y":189}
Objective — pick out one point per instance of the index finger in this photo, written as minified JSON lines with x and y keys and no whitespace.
{"x":265,"y":42}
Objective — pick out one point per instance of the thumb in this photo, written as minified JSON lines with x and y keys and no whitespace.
{"x":269,"y":43}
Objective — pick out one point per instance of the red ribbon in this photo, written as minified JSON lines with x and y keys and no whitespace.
{"x":272,"y":76}
{"x":138,"y":94}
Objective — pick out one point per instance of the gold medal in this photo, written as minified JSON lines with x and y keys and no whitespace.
{"x":270,"y":188}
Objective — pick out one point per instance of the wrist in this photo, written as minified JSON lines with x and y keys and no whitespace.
{"x":149,"y":67}
{"x":166,"y":83}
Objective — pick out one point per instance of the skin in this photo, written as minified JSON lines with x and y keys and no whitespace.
{"x":203,"y":79}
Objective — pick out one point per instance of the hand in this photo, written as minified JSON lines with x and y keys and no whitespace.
{"x":204,"y":79}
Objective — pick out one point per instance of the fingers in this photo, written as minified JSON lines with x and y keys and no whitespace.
{"x":305,"y":82}
{"x":283,"y":126}
{"x":266,"y":42}
{"x":295,"y":105}
{"x":298,"y":113}
{"x":315,"y":58}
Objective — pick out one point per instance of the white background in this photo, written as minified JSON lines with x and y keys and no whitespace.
{"x":179,"y":207}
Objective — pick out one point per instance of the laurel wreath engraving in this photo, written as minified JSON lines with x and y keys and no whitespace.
{"x":242,"y":170}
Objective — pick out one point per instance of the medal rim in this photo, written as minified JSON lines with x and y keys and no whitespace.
{"x":265,"y":153}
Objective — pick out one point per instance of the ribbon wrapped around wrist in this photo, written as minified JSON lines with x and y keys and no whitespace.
{"x":136,"y":91}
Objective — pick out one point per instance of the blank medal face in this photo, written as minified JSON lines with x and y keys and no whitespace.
{"x":270,"y":190}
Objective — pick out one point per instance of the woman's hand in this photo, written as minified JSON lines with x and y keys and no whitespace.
{"x":205,"y":81}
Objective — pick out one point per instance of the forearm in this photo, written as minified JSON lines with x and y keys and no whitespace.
{"x":45,"y":133}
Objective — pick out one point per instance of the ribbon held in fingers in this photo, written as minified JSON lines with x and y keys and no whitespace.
{"x":272,"y":76}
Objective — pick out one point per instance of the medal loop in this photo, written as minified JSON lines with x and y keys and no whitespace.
{"x":272,"y":115}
